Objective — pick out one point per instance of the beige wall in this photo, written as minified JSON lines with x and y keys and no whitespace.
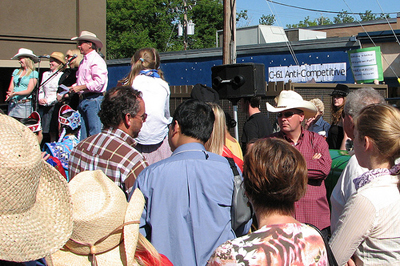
{"x":46,"y":26}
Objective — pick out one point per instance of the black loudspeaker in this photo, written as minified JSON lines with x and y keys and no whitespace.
{"x":239,"y":80}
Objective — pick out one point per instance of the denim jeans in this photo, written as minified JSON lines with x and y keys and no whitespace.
{"x":89,"y":109}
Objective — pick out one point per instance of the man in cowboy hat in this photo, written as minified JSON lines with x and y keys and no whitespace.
{"x":291,"y":111}
{"x":91,"y":83}
{"x":113,"y":150}
{"x":344,"y":189}
{"x":188,"y":195}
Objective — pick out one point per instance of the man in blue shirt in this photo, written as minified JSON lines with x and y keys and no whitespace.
{"x":188,"y":195}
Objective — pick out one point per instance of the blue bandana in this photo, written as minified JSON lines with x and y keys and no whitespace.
{"x":150,"y":72}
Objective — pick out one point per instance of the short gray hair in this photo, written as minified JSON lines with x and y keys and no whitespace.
{"x":358,"y":99}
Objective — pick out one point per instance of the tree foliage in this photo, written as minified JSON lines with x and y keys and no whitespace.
{"x":367,"y":16}
{"x":343,"y":17}
{"x":134,"y":24}
{"x":267,"y":20}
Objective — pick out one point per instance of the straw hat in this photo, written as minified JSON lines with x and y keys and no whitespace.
{"x":26,"y":53}
{"x":88,"y":36}
{"x":292,"y":100}
{"x":58,"y":56}
{"x":106,"y":227}
{"x":35,"y":203}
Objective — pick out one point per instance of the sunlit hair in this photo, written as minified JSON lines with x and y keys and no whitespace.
{"x":146,"y":254}
{"x":319,"y":104}
{"x":275,"y":176}
{"x":78,"y":59}
{"x":381,"y":124}
{"x":216,"y":142}
{"x":30,"y":66}
{"x":151,"y":60}
{"x":337,"y":112}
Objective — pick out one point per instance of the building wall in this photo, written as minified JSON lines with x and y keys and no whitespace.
{"x":47,"y":26}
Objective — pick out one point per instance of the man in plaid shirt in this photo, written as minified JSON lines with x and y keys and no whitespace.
{"x":113,"y":150}
{"x":291,"y":111}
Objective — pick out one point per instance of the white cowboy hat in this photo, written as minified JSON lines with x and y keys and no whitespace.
{"x":35,"y":203}
{"x":106,"y":226}
{"x":88,"y":36}
{"x":292,"y":100}
{"x":26,"y":53}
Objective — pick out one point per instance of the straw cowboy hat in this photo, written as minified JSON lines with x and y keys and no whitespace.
{"x":23,"y":52}
{"x":58,"y":56}
{"x":292,"y":100}
{"x":88,"y":36}
{"x":35,"y":203}
{"x":106,"y":226}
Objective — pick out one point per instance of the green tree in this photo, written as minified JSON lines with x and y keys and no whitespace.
{"x":267,"y":20}
{"x":304,"y":23}
{"x":134,"y":24}
{"x":343,"y":17}
{"x":367,"y":16}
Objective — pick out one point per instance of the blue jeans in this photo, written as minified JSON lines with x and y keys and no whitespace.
{"x":89,"y":109}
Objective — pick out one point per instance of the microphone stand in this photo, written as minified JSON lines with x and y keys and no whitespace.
{"x":34,"y":93}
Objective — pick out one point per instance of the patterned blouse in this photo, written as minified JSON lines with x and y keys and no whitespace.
{"x":281,"y":244}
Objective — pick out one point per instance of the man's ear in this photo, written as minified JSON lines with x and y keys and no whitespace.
{"x":127,"y":120}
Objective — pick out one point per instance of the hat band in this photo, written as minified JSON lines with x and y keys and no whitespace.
{"x":93,"y":250}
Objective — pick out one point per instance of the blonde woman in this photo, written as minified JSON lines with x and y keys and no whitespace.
{"x":147,"y":77}
{"x":22,"y":84}
{"x":216,"y":143}
{"x":368,"y":229}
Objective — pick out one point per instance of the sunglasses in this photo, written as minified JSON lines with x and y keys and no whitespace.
{"x":287,"y":114}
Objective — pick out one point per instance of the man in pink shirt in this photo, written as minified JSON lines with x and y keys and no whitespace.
{"x":91,"y":82}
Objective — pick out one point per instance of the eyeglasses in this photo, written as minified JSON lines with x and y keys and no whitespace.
{"x":287,"y":114}
{"x":143,"y":117}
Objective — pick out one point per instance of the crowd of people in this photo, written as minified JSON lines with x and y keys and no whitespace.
{"x":119,"y":181}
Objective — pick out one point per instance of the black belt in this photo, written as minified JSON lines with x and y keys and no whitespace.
{"x":91,"y":95}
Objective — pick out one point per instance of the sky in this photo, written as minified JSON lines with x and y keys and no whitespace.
{"x":288,"y":15}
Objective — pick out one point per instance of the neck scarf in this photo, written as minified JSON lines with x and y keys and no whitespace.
{"x":150,"y":72}
{"x":368,"y":176}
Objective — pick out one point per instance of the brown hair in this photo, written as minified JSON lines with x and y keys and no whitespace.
{"x":275,"y":175}
{"x":337,"y":112}
{"x":146,"y":58}
{"x":381,"y":123}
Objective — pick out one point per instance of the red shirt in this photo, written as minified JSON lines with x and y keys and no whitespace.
{"x":313,"y":208}
{"x":227,"y":153}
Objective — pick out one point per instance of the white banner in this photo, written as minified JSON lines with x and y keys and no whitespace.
{"x":304,"y":73}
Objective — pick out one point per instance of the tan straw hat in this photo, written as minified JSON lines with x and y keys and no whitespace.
{"x":23,"y":52}
{"x":35,"y":204}
{"x":59,"y":56}
{"x":106,"y":227}
{"x":292,"y":100}
{"x":88,"y":36}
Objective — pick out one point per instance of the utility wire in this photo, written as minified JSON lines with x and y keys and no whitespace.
{"x":325,"y":11}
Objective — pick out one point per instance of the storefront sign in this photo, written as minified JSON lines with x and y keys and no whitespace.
{"x":304,"y":73}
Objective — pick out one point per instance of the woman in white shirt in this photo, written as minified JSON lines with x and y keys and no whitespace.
{"x":368,"y":230}
{"x":147,"y":77}
{"x":48,"y":92}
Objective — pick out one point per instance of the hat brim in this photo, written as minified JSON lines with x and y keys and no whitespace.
{"x":34,"y":58}
{"x":43,"y":229}
{"x":94,"y":40}
{"x":340,"y":93}
{"x":307,"y":107}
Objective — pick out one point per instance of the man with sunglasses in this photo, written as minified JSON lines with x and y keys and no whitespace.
{"x":291,"y":111}
{"x":113,"y":150}
{"x":91,"y":82}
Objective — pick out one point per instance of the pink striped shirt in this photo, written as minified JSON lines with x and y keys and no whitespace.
{"x":93,"y":73}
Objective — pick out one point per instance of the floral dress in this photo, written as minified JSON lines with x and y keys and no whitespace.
{"x":282,"y":244}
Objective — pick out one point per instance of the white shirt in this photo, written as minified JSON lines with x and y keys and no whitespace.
{"x":344,"y":189}
{"x":156,"y":95}
{"x":369,"y":227}
{"x":49,"y":90}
